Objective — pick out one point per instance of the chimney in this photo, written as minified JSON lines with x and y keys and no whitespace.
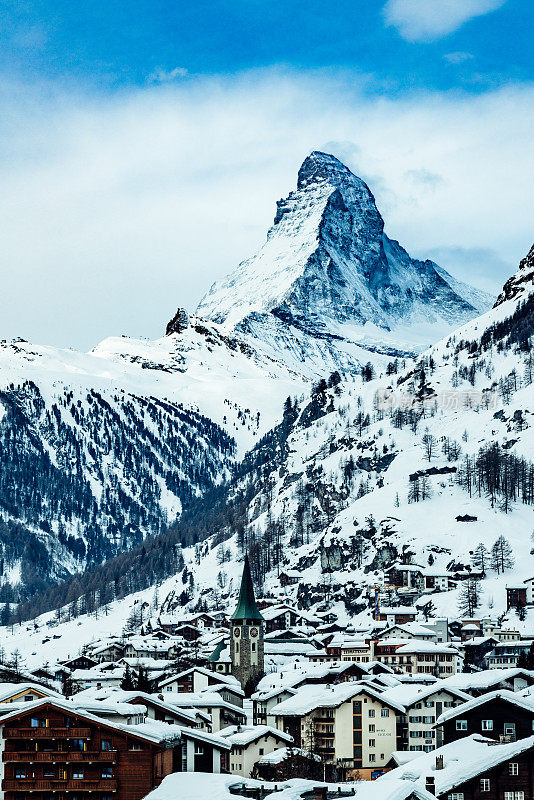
{"x":430,"y":785}
{"x":439,"y":762}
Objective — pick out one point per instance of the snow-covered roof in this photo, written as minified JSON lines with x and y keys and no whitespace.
{"x":300,"y":672}
{"x":416,"y":646}
{"x":200,"y":700}
{"x":116,"y":673}
{"x":7,"y":690}
{"x":124,"y":696}
{"x":281,"y":753}
{"x":407,"y":694}
{"x":232,"y":682}
{"x":487,"y":677}
{"x":320,"y":695}
{"x":463,"y":760}
{"x":243,"y":735}
{"x":413,"y":628}
{"x":513,"y":698}
{"x":271,"y":612}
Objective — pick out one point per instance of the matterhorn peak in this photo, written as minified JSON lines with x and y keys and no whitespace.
{"x":328,"y":280}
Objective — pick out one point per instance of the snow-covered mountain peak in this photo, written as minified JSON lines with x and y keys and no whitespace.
{"x":328,"y":282}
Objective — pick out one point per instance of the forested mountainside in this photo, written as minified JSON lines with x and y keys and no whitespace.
{"x":329,"y":283}
{"x":91,"y":474}
{"x":100,"y":450}
{"x":430,"y":461}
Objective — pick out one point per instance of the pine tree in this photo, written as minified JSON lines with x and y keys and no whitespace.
{"x":469,"y":597}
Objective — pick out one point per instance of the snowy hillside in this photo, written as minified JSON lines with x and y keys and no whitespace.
{"x":421,"y":464}
{"x":328,"y":280}
{"x":378,"y":471}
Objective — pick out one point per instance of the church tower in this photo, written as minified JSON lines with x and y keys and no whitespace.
{"x":246,"y":633}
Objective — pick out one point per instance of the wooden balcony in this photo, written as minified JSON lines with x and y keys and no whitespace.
{"x":31,"y":785}
{"x":86,"y":756}
{"x":47,"y":733}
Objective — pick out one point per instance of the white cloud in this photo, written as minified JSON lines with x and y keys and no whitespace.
{"x":115,"y":211}
{"x":459,"y":57}
{"x":426,"y":20}
{"x":161,"y":75}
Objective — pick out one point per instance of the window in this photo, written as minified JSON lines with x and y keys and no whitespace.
{"x":461,"y":725}
{"x":34,"y":722}
{"x":107,"y":772}
{"x":513,"y":769}
{"x":371,"y":742}
{"x":78,"y":744}
{"x":514,"y":796}
{"x":48,"y":772}
{"x":428,"y":720}
{"x":77,"y":774}
{"x":371,"y":728}
{"x":384,"y":712}
{"x":105,"y":744}
{"x":371,"y":712}
{"x":429,"y":704}
{"x":456,"y":796}
{"x":28,"y":698}
{"x":487,"y":724}
{"x":485,"y":785}
{"x":199,"y":750}
{"x":372,"y":757}
{"x":20,"y":773}
{"x":261,"y":751}
{"x":135,"y":746}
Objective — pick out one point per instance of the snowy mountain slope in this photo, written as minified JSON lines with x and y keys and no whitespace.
{"x":98,"y":450}
{"x":360,"y":474}
{"x":328,"y":280}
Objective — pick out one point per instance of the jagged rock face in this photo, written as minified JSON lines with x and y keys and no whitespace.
{"x":521,"y":283}
{"x":178,"y":323}
{"x":328,"y":276}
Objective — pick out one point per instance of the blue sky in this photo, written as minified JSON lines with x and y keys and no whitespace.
{"x":143,"y":145}
{"x":129,"y":42}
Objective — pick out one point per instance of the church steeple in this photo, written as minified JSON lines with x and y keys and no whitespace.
{"x":246,"y":605}
{"x":246,"y":635}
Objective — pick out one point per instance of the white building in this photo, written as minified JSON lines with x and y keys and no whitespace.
{"x":249,"y":743}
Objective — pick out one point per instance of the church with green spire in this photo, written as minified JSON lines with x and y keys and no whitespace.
{"x":246,"y":634}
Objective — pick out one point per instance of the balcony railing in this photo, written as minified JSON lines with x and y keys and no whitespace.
{"x":30,"y":784}
{"x":29,"y":756}
{"x":47,"y":733}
